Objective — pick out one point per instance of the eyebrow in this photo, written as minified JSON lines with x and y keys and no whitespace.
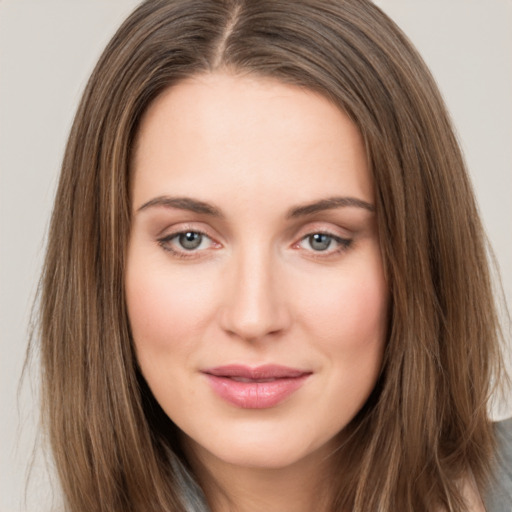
{"x":328,"y":204}
{"x":196,"y":206}
{"x":183,"y":203}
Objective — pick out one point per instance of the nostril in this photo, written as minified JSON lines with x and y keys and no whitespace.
{"x":268,"y":324}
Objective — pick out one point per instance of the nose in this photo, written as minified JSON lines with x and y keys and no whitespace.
{"x":255,"y":305}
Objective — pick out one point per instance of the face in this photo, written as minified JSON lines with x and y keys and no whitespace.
{"x":254,"y":279}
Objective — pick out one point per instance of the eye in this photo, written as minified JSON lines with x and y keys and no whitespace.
{"x":190,"y":240}
{"x":186,"y":243}
{"x":324,"y":242}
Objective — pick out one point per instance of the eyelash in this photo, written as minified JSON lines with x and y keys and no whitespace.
{"x":343,"y":244}
{"x":165,"y":241}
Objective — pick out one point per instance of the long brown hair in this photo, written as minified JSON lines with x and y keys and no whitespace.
{"x":426,"y":425}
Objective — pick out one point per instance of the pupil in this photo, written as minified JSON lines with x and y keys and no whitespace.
{"x":190,"y":240}
{"x":319,"y":241}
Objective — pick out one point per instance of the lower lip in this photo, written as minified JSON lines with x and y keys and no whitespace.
{"x":255,"y":395}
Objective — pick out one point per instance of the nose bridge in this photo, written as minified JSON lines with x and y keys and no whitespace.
{"x":254,"y":306}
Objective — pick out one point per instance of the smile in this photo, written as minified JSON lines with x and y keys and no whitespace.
{"x":255,"y":388}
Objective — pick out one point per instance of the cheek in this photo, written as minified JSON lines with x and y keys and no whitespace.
{"x":165,"y":309}
{"x":349,"y":312}
{"x":166,"y":316}
{"x":363,"y":311}
{"x":356,"y":315}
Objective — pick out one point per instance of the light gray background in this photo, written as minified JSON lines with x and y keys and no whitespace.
{"x":47,"y":50}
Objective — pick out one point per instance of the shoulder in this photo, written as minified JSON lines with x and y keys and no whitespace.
{"x":499,"y":495}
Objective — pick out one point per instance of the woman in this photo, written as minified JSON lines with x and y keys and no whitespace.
{"x":266,"y":285}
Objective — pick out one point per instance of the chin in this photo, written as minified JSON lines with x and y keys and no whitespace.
{"x":255,"y":457}
{"x":258,"y":449}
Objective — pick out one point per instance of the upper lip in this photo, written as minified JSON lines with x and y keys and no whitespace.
{"x":266,"y":371}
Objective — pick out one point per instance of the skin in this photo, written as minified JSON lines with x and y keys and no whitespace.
{"x":256,"y":290}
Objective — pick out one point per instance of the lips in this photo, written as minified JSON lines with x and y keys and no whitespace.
{"x":255,"y":388}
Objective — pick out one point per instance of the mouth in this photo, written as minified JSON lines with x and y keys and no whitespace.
{"x":255,"y":388}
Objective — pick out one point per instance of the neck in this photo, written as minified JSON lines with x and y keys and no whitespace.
{"x":300,"y":487}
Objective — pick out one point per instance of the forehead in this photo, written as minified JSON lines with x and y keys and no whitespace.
{"x":247,"y":133}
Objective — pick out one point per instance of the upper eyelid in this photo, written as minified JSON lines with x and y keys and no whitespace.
{"x":175,"y":234}
{"x":184,"y":227}
{"x":311,"y":225}
{"x":320,"y":227}
{"x":338,"y":239}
